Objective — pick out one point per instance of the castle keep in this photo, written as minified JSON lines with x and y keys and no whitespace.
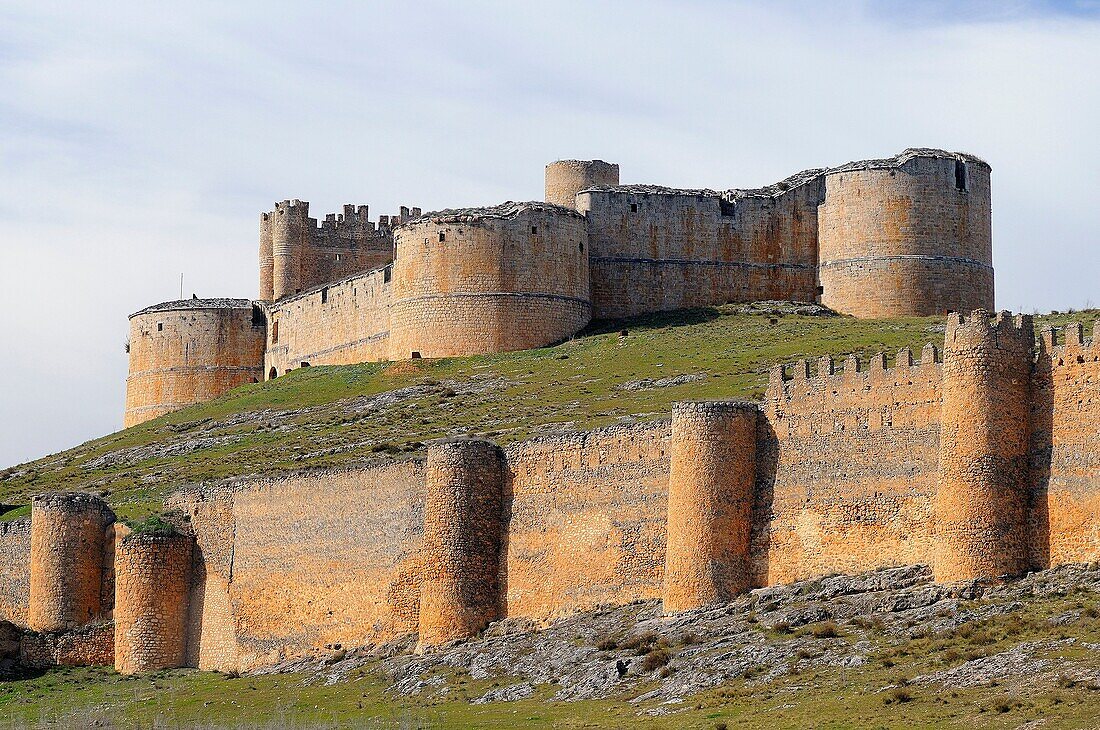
{"x":903,"y":236}
{"x":980,"y":463}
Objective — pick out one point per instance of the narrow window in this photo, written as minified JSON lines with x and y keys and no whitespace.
{"x":415,"y":355}
{"x":324,"y":295}
{"x":273,"y":374}
{"x":275,"y":332}
{"x":534,"y":229}
{"x":386,"y":274}
{"x":961,"y":181}
{"x":581,"y":247}
{"x":821,"y":290}
{"x":338,"y":258}
{"x":442,"y":236}
{"x":633,"y":207}
{"x":160,"y":326}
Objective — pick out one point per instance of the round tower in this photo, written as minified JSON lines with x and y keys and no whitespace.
{"x":463,"y":534}
{"x":566,"y":178}
{"x":710,"y":496}
{"x":479,"y":280}
{"x":190,"y":351}
{"x":68,"y":531}
{"x":290,"y":228}
{"x":908,"y":236}
{"x":981,"y":500}
{"x":267,"y":259}
{"x":152,"y":586}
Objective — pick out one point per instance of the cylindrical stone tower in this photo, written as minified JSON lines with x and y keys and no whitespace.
{"x":290,"y":226}
{"x":461,"y":590}
{"x":267,"y":259}
{"x":152,"y":585}
{"x":566,"y":178}
{"x":981,"y":501}
{"x":908,"y":236}
{"x":710,"y":497}
{"x":67,"y":544}
{"x":190,"y":351}
{"x":478,"y":280}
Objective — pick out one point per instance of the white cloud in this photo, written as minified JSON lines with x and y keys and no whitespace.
{"x":137,"y":142}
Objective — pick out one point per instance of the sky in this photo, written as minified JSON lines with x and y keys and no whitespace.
{"x":141,"y":141}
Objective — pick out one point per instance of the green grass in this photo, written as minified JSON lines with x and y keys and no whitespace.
{"x":309,"y":418}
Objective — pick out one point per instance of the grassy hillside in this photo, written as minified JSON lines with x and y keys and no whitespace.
{"x":327,"y":416}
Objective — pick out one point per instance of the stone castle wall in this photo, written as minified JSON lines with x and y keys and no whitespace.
{"x":655,"y":249}
{"x":15,"y":570}
{"x":847,"y":467}
{"x":191,"y":351}
{"x":834,"y":472}
{"x":566,"y":178}
{"x":489,"y":280}
{"x":909,"y":239}
{"x":341,"y":323}
{"x":1064,"y":461}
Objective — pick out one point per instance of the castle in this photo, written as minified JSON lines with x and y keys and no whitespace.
{"x":904,"y":236}
{"x":978,"y":458}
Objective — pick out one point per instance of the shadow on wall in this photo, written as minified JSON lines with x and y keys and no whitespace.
{"x":767,"y":461}
{"x":659,"y":320}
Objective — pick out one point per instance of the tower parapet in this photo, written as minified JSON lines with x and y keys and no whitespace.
{"x":566,"y":178}
{"x":463,"y":536}
{"x":710,"y":499}
{"x":152,"y":586}
{"x":981,"y":500}
{"x":68,"y":534}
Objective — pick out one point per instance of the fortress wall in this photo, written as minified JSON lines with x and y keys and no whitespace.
{"x":658,"y":251}
{"x":87,"y":646}
{"x":343,"y":323}
{"x":847,"y":468}
{"x":587,"y":519}
{"x":191,"y":351}
{"x":15,"y":570}
{"x":1064,"y":458}
{"x":904,"y":240}
{"x":320,"y":560}
{"x":344,"y":245}
{"x":489,"y":280}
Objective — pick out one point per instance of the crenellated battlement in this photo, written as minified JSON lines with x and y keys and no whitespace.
{"x":1003,"y":331}
{"x":1068,"y":344}
{"x":801,"y":381}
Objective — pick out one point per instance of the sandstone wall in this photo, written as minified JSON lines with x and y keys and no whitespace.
{"x":587,"y":519}
{"x":15,"y":570}
{"x":87,"y":646}
{"x":341,"y":323}
{"x":191,"y":351}
{"x":910,"y":236}
{"x":655,"y":249}
{"x":152,"y":590}
{"x":296,"y":564}
{"x":847,"y":468}
{"x":1064,"y":461}
{"x":489,"y":280}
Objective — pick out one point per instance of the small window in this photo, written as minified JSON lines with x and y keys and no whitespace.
{"x":324,"y":295}
{"x":275,"y":332}
{"x":581,"y":247}
{"x":534,"y":229}
{"x":961,"y":181}
{"x":386,"y":274}
{"x":338,"y":257}
{"x":160,"y":326}
{"x":273,"y":374}
{"x":633,"y":207}
{"x":416,"y":355}
{"x":442,"y":236}
{"x":821,"y":290}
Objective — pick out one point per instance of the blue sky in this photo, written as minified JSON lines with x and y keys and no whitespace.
{"x":139,"y":141}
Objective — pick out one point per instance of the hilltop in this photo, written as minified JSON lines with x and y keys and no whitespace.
{"x":614,"y":371}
